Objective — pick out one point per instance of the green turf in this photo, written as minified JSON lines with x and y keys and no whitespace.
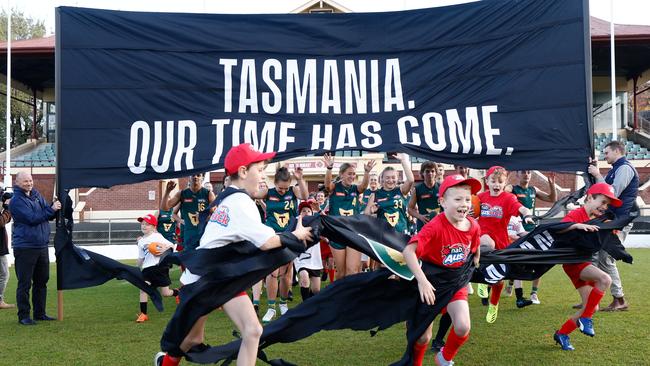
{"x":99,"y":329}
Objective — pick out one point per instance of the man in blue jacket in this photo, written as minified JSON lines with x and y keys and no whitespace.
{"x":30,"y":235}
{"x":625,"y":180}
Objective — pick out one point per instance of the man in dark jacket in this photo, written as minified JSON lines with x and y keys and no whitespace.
{"x":5,"y":217}
{"x":30,"y":235}
{"x":625,"y":180}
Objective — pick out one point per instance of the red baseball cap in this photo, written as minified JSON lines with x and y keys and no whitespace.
{"x":149,"y":219}
{"x":457,"y":179}
{"x":306,"y":203}
{"x":493,"y":169}
{"x":607,"y":191}
{"x":242,"y":155}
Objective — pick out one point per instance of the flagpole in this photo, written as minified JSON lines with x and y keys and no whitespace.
{"x":7,"y":178}
{"x":57,"y":101}
{"x":613,"y":72}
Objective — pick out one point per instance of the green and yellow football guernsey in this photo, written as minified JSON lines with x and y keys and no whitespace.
{"x":166,"y":225}
{"x":427,"y":201}
{"x":191,"y":205}
{"x":280,"y":208}
{"x":343,"y":201}
{"x":526,"y":196}
{"x":392,"y":208}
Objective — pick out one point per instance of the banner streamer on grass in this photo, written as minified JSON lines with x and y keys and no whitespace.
{"x":160,"y":95}
{"x":385,"y":301}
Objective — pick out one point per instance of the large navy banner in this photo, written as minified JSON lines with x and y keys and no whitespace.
{"x":145,"y":96}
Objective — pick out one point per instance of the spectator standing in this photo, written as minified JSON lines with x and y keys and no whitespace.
{"x":30,"y":237}
{"x":5,"y":217}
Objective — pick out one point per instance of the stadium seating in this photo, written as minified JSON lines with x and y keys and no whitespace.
{"x":42,"y":155}
{"x":634,"y":151}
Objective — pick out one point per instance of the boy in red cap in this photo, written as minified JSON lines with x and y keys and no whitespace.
{"x":497,"y":206}
{"x":590,"y":281}
{"x":150,"y":246}
{"x":236,"y":219}
{"x":447,"y":241}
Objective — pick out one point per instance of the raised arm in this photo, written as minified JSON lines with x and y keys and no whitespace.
{"x":367,"y":168}
{"x":303,"y":191}
{"x":408,"y":173}
{"x":552,"y":195}
{"x":166,"y":202}
{"x":328,"y":160}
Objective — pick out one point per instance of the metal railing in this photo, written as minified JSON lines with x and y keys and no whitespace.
{"x":116,"y":231}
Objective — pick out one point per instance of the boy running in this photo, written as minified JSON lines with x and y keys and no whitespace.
{"x":150,"y":246}
{"x":447,"y":241}
{"x":497,"y":206}
{"x":236,"y":219}
{"x":590,"y":281}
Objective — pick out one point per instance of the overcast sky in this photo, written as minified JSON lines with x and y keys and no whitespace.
{"x":625,"y":11}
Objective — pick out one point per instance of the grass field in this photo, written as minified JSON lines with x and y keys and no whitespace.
{"x":99,"y":329}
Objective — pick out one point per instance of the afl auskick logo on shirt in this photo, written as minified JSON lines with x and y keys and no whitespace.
{"x":491,"y":211}
{"x":455,"y":253}
{"x":221,"y":216}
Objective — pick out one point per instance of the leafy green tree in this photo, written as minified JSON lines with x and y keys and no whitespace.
{"x":22,"y":27}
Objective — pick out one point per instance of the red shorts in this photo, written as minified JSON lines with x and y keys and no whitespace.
{"x":573,"y":271}
{"x":461,"y":294}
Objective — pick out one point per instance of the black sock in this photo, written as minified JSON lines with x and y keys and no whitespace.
{"x":143,"y":307}
{"x":174,"y":292}
{"x":445,"y":324}
{"x":519,"y":292}
{"x":305,"y":293}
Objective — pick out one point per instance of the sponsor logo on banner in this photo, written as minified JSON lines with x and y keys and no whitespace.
{"x":391,"y":258}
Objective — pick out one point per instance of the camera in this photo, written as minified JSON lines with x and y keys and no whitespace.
{"x":4,"y":196}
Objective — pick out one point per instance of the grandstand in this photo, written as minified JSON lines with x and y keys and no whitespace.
{"x":42,"y":155}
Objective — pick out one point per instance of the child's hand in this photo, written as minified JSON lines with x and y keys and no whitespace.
{"x":301,"y":232}
{"x":476,"y":261}
{"x":427,"y":294}
{"x":586,"y":227}
{"x":529,"y":220}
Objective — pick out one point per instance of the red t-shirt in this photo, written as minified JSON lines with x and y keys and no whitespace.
{"x":495,"y":216}
{"x":579,"y":215}
{"x":440,"y":243}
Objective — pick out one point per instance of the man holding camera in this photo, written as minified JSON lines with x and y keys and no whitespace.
{"x":5,"y":217}
{"x":30,"y":236}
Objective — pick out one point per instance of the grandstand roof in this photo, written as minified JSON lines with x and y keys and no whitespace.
{"x":33,"y":59}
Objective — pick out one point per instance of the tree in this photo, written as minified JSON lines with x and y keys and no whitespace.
{"x":22,"y":27}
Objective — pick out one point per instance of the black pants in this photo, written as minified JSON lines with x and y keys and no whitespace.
{"x":32,"y":266}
